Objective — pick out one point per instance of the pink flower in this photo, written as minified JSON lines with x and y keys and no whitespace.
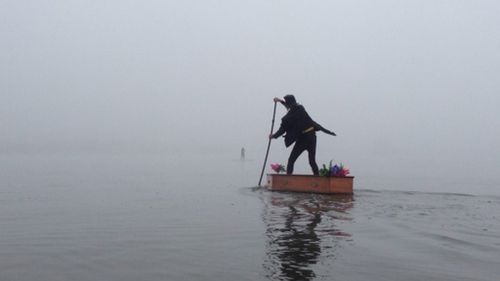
{"x":344,"y":172}
{"x":278,"y":168}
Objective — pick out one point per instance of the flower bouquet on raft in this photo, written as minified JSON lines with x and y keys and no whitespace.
{"x":278,"y":168}
{"x":337,"y":170}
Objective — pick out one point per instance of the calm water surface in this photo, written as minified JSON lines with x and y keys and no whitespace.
{"x":99,"y":216}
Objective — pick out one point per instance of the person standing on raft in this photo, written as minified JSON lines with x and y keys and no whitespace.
{"x":301,"y":129}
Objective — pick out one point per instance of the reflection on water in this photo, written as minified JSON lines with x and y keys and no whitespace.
{"x":302,"y":230}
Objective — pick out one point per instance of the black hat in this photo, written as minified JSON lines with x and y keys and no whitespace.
{"x":290,"y":100}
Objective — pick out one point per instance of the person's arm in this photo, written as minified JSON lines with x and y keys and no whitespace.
{"x":281,"y":130}
{"x":278,"y":133}
{"x":279,"y":100}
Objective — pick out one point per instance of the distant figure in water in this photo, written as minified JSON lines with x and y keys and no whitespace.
{"x":301,"y":129}
{"x":242,"y":156}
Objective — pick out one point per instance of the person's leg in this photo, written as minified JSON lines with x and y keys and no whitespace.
{"x":311,"y":149}
{"x":298,"y":148}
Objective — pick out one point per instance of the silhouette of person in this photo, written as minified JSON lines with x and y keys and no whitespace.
{"x":299,"y":128}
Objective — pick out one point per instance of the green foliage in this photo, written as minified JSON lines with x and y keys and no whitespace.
{"x":325,"y":171}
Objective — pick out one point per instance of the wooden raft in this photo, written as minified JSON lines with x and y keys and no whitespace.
{"x":310,"y":183}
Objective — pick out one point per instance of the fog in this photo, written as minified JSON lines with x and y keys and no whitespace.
{"x":410,"y":87}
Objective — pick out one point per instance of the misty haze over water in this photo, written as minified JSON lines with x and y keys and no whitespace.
{"x":122,"y":122}
{"x":411,"y":88}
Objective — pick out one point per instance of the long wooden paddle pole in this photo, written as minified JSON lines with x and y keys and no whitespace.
{"x":268,"y":145}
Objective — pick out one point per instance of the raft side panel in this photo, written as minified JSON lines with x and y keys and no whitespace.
{"x":310,"y":183}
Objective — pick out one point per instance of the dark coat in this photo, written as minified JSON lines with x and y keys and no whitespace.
{"x":294,"y":123}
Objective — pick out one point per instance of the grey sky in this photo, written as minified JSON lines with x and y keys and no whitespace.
{"x":395,"y":79}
